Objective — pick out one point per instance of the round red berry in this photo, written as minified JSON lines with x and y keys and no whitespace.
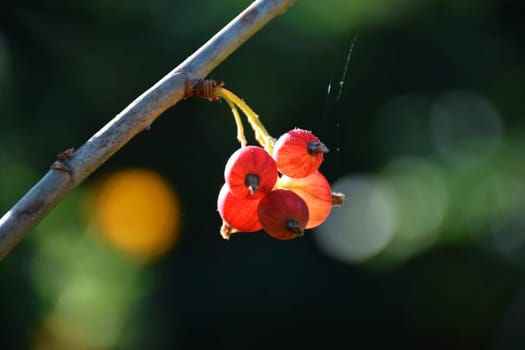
{"x":298,"y":153}
{"x":240,"y":214}
{"x":315,"y":190}
{"x":283,"y":214}
{"x":250,"y":172}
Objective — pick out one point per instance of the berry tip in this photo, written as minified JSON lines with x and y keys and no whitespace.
{"x":338,"y":199}
{"x":317,"y":148}
{"x":226,"y":231}
{"x":252,"y":182}
{"x":293,"y":226}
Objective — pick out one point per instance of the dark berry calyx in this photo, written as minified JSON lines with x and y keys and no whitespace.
{"x":317,"y":148}
{"x":252,"y":182}
{"x":338,"y":199}
{"x":293,"y":226}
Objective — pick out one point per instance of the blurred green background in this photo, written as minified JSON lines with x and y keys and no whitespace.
{"x":427,"y":142}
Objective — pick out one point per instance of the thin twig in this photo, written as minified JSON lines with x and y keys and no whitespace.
{"x":71,"y":168}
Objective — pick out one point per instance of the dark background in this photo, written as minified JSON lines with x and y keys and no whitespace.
{"x":66,"y":68}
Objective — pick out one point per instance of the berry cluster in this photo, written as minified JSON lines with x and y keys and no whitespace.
{"x":283,"y":193}
{"x":276,"y":187}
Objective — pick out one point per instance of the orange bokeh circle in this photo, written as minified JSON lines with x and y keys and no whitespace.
{"x":138,"y":212}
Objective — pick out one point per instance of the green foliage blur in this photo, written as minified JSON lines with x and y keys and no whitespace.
{"x":431,"y":109}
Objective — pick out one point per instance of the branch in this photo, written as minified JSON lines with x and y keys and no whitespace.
{"x":71,"y":169}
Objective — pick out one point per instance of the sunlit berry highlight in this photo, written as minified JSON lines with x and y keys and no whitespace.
{"x":240,"y":214}
{"x":283,"y":214}
{"x":315,"y":190}
{"x":250,"y":172}
{"x":298,"y":153}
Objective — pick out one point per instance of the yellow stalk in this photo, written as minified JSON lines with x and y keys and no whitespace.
{"x":261,"y":134}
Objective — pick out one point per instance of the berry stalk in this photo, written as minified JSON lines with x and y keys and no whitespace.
{"x":261,"y":134}
{"x":238,"y":123}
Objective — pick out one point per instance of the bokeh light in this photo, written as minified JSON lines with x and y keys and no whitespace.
{"x":425,"y":202}
{"x":362,"y":226}
{"x":60,"y":334}
{"x":466,"y":127}
{"x":136,"y":211}
{"x":418,"y":191}
{"x":90,"y":289}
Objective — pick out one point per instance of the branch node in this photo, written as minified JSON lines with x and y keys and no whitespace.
{"x":203,"y":88}
{"x":63,"y":156}
{"x":60,"y":163}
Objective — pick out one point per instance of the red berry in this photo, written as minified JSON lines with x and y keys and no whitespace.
{"x":250,"y":172}
{"x":298,"y":153}
{"x":283,"y":214}
{"x":240,"y":214}
{"x":315,"y":190}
